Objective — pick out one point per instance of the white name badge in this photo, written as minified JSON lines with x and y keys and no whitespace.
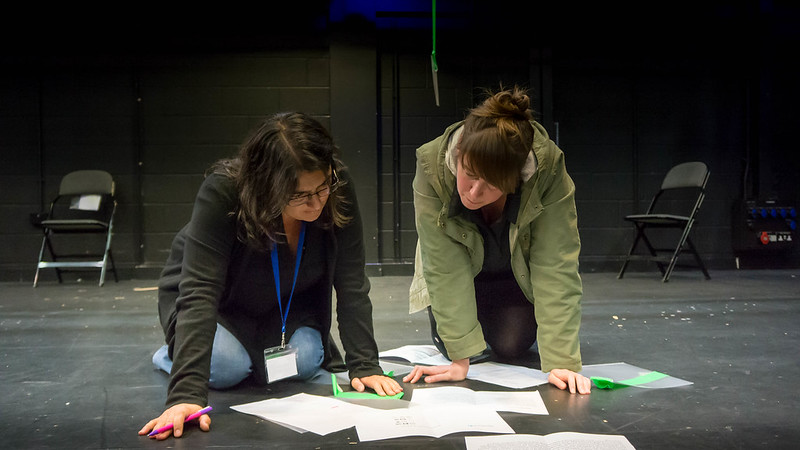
{"x":280,"y":363}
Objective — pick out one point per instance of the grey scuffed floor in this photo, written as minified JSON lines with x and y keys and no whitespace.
{"x":75,"y":367}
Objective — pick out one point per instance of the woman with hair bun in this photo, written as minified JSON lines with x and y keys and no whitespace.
{"x":497,"y":251}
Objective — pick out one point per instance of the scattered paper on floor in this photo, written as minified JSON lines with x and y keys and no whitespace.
{"x":559,"y":441}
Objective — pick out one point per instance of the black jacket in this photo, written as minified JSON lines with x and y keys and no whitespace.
{"x":211,"y":276}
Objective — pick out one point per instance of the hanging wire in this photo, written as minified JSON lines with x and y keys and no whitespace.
{"x":433,"y":53}
{"x":434,"y":64}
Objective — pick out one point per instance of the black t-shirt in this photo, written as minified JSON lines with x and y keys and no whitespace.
{"x":496,"y":247}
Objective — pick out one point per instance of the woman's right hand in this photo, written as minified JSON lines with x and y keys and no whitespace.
{"x":175,"y":415}
{"x":456,"y":371}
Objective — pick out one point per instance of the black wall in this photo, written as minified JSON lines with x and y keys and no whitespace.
{"x":625,"y":95}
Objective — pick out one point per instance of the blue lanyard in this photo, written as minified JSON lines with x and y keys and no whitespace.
{"x":276,"y":274}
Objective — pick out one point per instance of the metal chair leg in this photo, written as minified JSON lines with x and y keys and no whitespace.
{"x":38,"y":263}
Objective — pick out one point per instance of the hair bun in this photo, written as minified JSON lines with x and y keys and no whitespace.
{"x":511,"y":103}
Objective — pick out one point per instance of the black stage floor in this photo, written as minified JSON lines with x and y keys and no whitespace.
{"x":75,"y":369}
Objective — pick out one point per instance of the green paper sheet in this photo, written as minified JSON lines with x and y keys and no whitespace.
{"x":608,"y":383}
{"x":337,"y":392}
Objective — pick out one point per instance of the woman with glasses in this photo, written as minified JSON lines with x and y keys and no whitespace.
{"x":247,"y":288}
{"x":497,"y":257}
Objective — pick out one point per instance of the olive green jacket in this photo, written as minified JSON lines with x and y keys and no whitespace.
{"x":544,"y":245}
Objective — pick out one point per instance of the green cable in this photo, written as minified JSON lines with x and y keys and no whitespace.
{"x":433,"y":53}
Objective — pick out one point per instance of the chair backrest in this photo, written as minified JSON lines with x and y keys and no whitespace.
{"x":682,"y":190}
{"x":75,"y":202}
{"x":686,"y":175}
{"x":87,"y":182}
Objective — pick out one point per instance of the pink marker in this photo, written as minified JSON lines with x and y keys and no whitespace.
{"x":188,"y":418}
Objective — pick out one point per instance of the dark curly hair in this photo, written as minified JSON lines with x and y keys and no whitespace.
{"x":266,"y":171}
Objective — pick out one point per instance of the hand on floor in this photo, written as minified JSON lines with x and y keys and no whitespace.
{"x":382,"y":385}
{"x":456,"y":371}
{"x":563,"y":379}
{"x":175,"y":415}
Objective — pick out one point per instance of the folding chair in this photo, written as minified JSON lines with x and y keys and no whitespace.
{"x":670,"y":210}
{"x":85,"y":204}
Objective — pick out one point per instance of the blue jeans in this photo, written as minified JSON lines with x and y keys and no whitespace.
{"x":230,"y":363}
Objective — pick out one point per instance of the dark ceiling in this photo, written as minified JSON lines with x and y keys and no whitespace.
{"x":139,"y":28}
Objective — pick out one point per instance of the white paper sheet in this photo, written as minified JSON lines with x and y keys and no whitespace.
{"x":554,"y":441}
{"x":417,"y":354}
{"x":90,"y":202}
{"x":398,"y":369}
{"x":434,"y":422}
{"x":454,"y":396}
{"x":516,"y":377}
{"x":507,"y":375}
{"x":304,"y":412}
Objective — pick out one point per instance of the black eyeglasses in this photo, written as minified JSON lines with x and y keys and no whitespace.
{"x":322,"y":193}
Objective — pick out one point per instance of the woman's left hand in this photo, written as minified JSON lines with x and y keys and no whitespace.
{"x":563,"y":379}
{"x":382,"y":385}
